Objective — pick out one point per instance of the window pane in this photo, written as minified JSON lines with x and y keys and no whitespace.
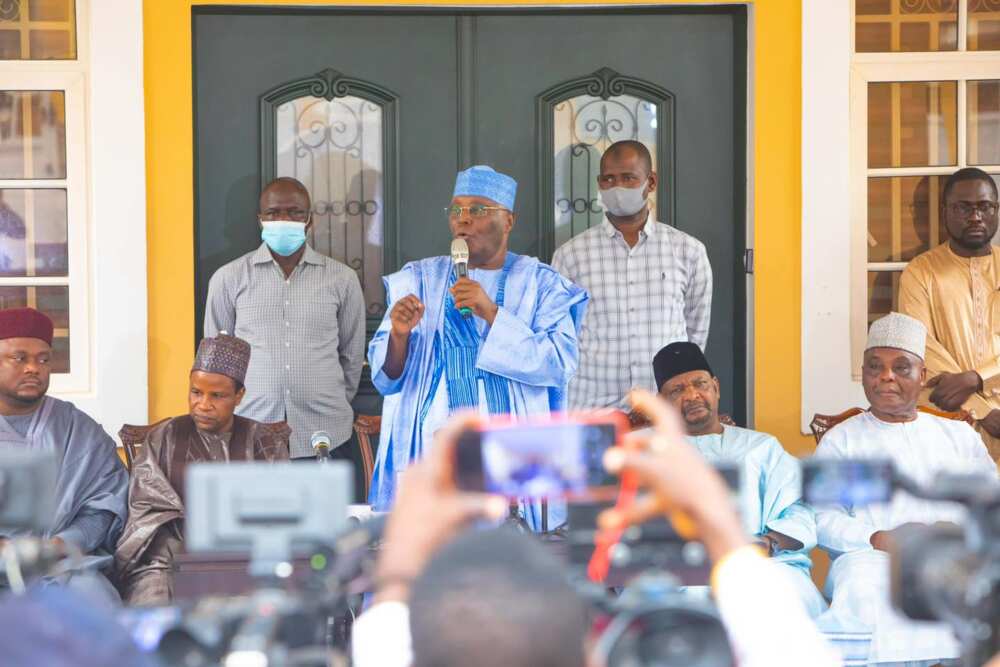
{"x":583,"y":128}
{"x":32,"y":134}
{"x":37,"y":30}
{"x":883,"y":293}
{"x":905,"y":25}
{"x":912,"y":124}
{"x":33,"y":233}
{"x":984,"y":25}
{"x":335,"y":149}
{"x":54,"y":302}
{"x":904,"y":217}
{"x":983,"y":105}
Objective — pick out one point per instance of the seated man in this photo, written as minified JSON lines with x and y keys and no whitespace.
{"x":209,"y":432}
{"x":773,"y":512}
{"x":921,"y":446}
{"x":91,"y":487}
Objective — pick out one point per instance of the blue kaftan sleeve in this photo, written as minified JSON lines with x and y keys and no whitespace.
{"x":397,"y":285}
{"x":838,"y":530}
{"x":545,"y":352}
{"x":782,"y":507}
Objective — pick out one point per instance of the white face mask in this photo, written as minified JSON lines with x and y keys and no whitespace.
{"x":623,"y":202}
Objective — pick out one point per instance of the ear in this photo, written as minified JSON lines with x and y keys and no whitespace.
{"x":240,"y":394}
{"x":718,"y":387}
{"x":923,"y":375}
{"x":309,"y":222}
{"x":652,"y":183}
{"x":511,"y":219}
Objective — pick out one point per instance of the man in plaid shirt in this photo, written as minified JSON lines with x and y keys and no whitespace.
{"x":650,"y":284}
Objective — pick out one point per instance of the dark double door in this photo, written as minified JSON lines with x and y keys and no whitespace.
{"x":376,"y":111}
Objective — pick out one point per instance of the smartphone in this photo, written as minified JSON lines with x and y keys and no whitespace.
{"x":847,"y":482}
{"x":559,"y":457}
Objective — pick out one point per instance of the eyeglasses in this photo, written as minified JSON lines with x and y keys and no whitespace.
{"x":966,"y":208}
{"x":476,"y":210}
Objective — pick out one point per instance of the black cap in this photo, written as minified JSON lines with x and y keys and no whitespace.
{"x":677,"y":358}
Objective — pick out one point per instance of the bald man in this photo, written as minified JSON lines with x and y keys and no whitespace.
{"x":650,"y":284}
{"x":304,"y":316}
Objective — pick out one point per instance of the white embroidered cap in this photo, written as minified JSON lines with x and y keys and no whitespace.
{"x":898,"y":331}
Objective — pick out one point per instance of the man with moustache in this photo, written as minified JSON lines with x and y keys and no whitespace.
{"x":771,"y":500}
{"x":91,"y":483}
{"x":210,"y":432}
{"x":920,"y":446}
{"x":953,"y":290}
{"x":650,"y":284}
{"x":512,"y":352}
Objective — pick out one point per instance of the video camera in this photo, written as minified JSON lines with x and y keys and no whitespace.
{"x":941,"y":572}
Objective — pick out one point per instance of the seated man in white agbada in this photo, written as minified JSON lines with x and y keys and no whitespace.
{"x":921,"y":446}
{"x":771,"y":504}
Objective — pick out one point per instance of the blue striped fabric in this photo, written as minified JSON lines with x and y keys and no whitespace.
{"x":461,"y":349}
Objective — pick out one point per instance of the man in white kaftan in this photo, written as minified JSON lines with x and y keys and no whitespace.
{"x":920,"y":445}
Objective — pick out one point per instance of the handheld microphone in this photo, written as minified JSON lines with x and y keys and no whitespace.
{"x":321,"y":444}
{"x":460,"y":258}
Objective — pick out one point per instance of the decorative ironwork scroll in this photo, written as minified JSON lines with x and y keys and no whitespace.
{"x":577,"y":121}
{"x":338,"y":136}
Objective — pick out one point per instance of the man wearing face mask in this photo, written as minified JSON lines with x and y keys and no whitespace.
{"x":303,"y":314}
{"x":501,"y":340}
{"x":650,"y":284}
{"x":954,"y":289}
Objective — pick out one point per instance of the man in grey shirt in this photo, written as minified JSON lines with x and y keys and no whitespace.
{"x":303,"y":314}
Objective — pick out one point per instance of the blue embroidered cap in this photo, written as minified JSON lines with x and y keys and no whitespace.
{"x":483,"y":181}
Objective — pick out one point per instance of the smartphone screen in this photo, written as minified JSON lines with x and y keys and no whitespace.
{"x":847,"y":482}
{"x":536,"y":460}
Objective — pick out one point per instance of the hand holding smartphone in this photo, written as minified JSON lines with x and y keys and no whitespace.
{"x":559,"y":456}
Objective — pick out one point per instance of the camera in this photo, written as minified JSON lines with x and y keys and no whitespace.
{"x":942,"y":572}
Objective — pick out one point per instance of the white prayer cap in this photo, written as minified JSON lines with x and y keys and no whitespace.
{"x":898,"y":331}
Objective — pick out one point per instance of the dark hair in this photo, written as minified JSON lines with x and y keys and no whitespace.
{"x":496,"y":599}
{"x":631,"y":145}
{"x":967,"y":174}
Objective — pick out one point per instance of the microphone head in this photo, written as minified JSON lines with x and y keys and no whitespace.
{"x":320,"y":439}
{"x":459,"y":251}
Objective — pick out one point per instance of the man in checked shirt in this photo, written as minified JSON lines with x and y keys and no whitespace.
{"x":650,"y":284}
{"x":303,"y":314}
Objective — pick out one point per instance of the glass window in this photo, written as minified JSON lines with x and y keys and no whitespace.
{"x":583,"y":128}
{"x":912,"y":124}
{"x":983,"y":123}
{"x":33,"y":233}
{"x":37,"y":30}
{"x":335,"y":148}
{"x":984,"y":25}
{"x":905,"y":25}
{"x":32,"y":134}
{"x":904,"y":217}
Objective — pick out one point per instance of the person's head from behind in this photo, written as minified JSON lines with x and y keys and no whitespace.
{"x":496,"y":599}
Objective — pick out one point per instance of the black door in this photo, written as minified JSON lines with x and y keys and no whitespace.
{"x":376,"y":111}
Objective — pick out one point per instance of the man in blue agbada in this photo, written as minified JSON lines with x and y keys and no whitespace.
{"x":771,"y":504}
{"x":512,"y":352}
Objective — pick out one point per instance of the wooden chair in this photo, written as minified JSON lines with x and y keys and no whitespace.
{"x":367,"y":428}
{"x":820,"y":424}
{"x":638,"y":420}
{"x":134,"y":437}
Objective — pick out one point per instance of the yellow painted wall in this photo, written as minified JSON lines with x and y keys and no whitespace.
{"x":775,"y":201}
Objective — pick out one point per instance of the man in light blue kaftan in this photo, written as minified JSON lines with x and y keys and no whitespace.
{"x":512,"y":350}
{"x":771,"y":504}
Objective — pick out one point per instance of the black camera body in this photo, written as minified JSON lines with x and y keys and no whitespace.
{"x":942,"y":572}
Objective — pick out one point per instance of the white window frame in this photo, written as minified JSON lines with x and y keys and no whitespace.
{"x":835,"y":186}
{"x":106,"y":208}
